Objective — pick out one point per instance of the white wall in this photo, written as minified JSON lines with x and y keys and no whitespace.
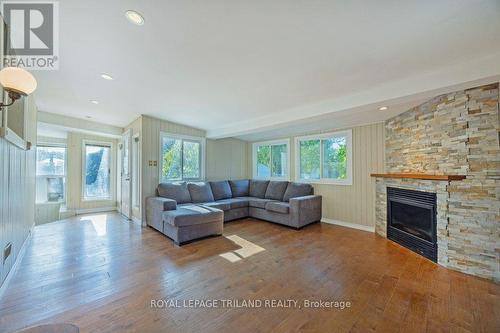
{"x":78,"y":125}
{"x":50,"y":140}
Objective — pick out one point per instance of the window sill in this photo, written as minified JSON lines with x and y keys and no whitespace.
{"x":97,"y":199}
{"x":13,"y":138}
{"x":49,"y":203}
{"x":191,"y":180}
{"x":50,"y":176}
{"x":272,"y":178}
{"x":325,"y":182}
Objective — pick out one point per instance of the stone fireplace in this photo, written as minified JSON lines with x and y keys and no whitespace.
{"x":437,"y":187}
{"x":455,"y":138}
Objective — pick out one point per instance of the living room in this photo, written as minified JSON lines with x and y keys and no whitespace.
{"x":250,"y":166}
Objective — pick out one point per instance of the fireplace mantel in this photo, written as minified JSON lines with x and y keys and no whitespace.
{"x":445,"y":178}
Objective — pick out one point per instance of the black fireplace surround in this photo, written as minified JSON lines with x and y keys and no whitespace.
{"x":411,"y":220}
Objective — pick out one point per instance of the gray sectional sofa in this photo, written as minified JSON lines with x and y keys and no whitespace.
{"x":187,"y":211}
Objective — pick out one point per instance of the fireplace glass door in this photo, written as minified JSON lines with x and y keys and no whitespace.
{"x":411,"y":220}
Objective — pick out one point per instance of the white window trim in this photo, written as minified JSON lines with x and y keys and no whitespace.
{"x":57,"y":145}
{"x":112,"y":181}
{"x":348,"y":180}
{"x":7,"y":133}
{"x":255,"y":145}
{"x":200,"y":139}
{"x":137,"y":168}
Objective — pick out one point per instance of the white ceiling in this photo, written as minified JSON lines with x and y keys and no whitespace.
{"x":250,"y":69}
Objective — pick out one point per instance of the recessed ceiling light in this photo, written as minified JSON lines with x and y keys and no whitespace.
{"x":107,"y":77}
{"x":383,"y":108}
{"x":94,"y":102}
{"x":134,"y":17}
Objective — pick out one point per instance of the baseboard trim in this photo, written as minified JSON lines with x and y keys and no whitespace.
{"x":95,"y":210}
{"x":349,"y":225}
{"x":14,"y":268}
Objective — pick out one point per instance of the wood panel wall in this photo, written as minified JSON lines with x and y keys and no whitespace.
{"x":232,"y":159}
{"x":17,"y":192}
{"x":356,"y":203}
{"x":226,"y":159}
{"x":350,"y":203}
{"x":47,"y":212}
{"x":151,"y":128}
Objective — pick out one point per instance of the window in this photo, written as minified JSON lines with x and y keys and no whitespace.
{"x":325,"y":158}
{"x":271,"y":159}
{"x":97,"y":171}
{"x":309,"y":152}
{"x":181,"y":158}
{"x":50,"y":173}
{"x":263,"y":161}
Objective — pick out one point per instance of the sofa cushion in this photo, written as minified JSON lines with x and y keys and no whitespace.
{"x":295,"y":190}
{"x":200,"y":192}
{"x":175,"y":191}
{"x":239,"y":188}
{"x":221,"y":204}
{"x":192,"y":214}
{"x":278,"y":207}
{"x":256,"y":202}
{"x":276,"y":190}
{"x":257,"y":188}
{"x":237,"y":202}
{"x":161,"y":204}
{"x":221,"y":190}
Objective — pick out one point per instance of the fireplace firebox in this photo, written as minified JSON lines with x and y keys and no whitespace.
{"x":411,"y":220}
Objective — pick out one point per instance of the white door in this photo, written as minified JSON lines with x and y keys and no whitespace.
{"x":126,"y":185}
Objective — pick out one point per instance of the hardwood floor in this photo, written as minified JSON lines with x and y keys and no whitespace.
{"x":100,"y":272}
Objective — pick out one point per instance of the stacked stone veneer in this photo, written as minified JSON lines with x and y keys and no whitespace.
{"x":457,"y":133}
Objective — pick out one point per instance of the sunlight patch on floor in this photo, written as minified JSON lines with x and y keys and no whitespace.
{"x":230,"y":256}
{"x":99,"y":222}
{"x":247,"y":249}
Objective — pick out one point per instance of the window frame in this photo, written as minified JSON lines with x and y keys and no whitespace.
{"x":136,"y":171}
{"x":6,"y":132}
{"x":65,"y":175}
{"x":321,"y":137}
{"x":112,"y":185}
{"x":197,"y":139}
{"x":270,"y":143}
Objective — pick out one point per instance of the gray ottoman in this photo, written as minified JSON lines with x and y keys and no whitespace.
{"x":191,"y":222}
